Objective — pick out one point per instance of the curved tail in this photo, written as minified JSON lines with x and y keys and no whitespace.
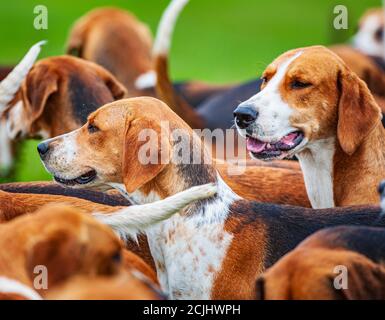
{"x":132,"y":220}
{"x":164,"y":86}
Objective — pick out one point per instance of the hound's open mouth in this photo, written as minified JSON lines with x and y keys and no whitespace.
{"x":280,"y":149}
{"x":83,"y":179}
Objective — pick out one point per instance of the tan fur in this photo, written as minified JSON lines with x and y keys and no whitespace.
{"x":116,"y":40}
{"x":366,"y":69}
{"x":166,"y":92}
{"x":267,"y":184}
{"x":13,"y":205}
{"x":124,"y":286}
{"x":60,"y":238}
{"x":307,"y":273}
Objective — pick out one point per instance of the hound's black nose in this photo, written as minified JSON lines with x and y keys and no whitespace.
{"x":42,"y":148}
{"x":245,"y":116}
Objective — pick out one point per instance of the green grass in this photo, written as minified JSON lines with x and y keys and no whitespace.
{"x":215,"y":40}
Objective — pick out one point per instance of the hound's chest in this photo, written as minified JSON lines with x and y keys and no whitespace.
{"x":188,"y":254}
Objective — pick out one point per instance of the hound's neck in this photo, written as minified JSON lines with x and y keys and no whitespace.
{"x":333,"y":178}
{"x":317,"y":165}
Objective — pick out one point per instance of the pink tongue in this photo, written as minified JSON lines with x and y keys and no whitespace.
{"x":289,"y":139}
{"x":254,"y":145}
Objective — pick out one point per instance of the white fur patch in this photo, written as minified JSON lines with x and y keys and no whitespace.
{"x":365,"y":40}
{"x":189,"y":250}
{"x":63,"y":155}
{"x":317,"y":165}
{"x":12,"y":286}
{"x":6,"y":158}
{"x":166,"y":27}
{"x":146,"y":80}
{"x":16,"y":123}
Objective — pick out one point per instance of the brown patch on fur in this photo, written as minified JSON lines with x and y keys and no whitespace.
{"x":109,"y":198}
{"x":166,"y":92}
{"x":242,"y":261}
{"x":11,"y":296}
{"x":267,"y":184}
{"x":364,"y":67}
{"x":13,"y":205}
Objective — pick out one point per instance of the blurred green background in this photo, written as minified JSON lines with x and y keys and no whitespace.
{"x":215,"y":40}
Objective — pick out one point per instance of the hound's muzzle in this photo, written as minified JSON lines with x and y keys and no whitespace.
{"x":245,"y":116}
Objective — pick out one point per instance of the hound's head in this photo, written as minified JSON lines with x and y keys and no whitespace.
{"x":314,"y":270}
{"x":307,"y":95}
{"x":63,"y":240}
{"x":57,"y":95}
{"x":124,"y":142}
{"x":370,"y":35}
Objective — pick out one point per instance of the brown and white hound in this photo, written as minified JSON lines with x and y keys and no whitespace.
{"x":313,"y":106}
{"x":51,"y":97}
{"x":341,"y":263}
{"x":213,"y":249}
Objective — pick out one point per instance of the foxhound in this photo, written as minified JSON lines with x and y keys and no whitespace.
{"x":51,"y":97}
{"x":313,"y":106}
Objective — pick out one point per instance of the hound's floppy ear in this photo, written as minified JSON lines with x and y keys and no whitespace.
{"x":118,"y":90}
{"x":37,"y":89}
{"x":60,"y":255}
{"x":146,"y":152}
{"x":358,"y":112}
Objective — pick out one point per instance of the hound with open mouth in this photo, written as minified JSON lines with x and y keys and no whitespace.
{"x":313,"y":106}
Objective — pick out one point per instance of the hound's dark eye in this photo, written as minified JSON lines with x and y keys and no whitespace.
{"x":92,"y":128}
{"x":379,"y":34}
{"x":299,"y":85}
